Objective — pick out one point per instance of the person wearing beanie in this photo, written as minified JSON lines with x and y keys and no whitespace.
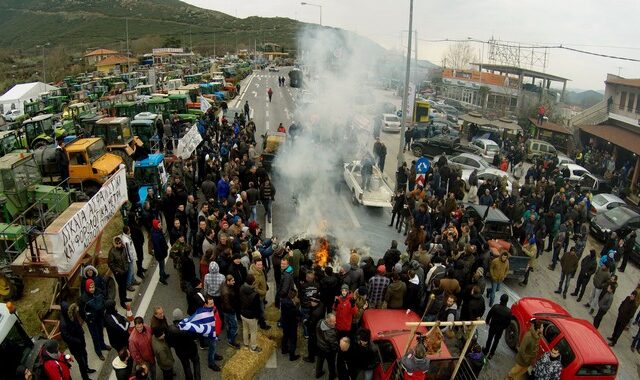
{"x":162,"y":352}
{"x":56,"y":366}
{"x":93,"y":306}
{"x":184,"y":345}
{"x":498,"y":320}
{"x":395,"y":294}
{"x":160,"y":248}
{"x":345,"y":309}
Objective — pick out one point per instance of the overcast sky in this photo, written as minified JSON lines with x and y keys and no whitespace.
{"x":605,"y":27}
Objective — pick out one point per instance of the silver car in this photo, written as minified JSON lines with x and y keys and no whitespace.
{"x":603,"y":202}
{"x":468,"y":161}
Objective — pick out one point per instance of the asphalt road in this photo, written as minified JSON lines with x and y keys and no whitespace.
{"x":375,"y":237}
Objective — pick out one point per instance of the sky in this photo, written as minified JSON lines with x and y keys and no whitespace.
{"x":604,"y":27}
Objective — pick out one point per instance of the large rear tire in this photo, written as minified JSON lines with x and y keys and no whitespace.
{"x":11,"y":285}
{"x":512,"y":335}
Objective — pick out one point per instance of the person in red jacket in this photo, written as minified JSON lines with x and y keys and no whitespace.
{"x":345,"y":308}
{"x":56,"y":364}
{"x":140,"y":345}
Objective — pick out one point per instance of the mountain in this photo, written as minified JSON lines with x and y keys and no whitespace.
{"x":83,"y":24}
{"x":584,"y":99}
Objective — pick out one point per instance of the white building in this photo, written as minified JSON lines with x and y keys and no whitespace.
{"x":21,"y":93}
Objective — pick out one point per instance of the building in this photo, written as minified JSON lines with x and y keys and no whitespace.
{"x":115,"y":64}
{"x":163,"y":56}
{"x":23,"y":93}
{"x":98,"y":55}
{"x":500,"y":89}
{"x":613,"y":125}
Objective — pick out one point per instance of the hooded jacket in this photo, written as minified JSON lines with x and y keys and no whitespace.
{"x":394,"y":297}
{"x":71,"y":330}
{"x":213,"y":280}
{"x":286,"y":282}
{"x":260,"y":284}
{"x":101,"y":285}
{"x":249,"y":302}
{"x":326,"y":337}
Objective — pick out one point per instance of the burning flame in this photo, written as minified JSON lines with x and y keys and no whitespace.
{"x":321,"y":256}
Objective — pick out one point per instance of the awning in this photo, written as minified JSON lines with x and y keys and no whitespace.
{"x":621,"y":137}
{"x":504,"y":124}
{"x":549,"y":126}
{"x":474,"y":118}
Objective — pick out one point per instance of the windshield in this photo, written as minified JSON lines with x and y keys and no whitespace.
{"x":493,"y":148}
{"x":126,"y":132}
{"x":9,"y":143}
{"x":95,"y":150}
{"x":27,"y":174}
{"x":599,"y":199}
{"x":392,"y":119}
{"x":619,"y":215}
{"x":147,"y":176}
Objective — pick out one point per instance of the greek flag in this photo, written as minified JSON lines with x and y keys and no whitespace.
{"x":202,"y":322}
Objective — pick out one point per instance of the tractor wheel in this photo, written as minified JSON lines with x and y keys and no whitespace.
{"x":512,"y":335}
{"x":90,"y":188}
{"x":11,"y":285}
{"x":39,"y":144}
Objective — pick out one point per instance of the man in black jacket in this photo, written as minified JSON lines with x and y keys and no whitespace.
{"x":327,"y":343}
{"x":316,"y":313}
{"x":185,"y":347}
{"x":498,"y":319}
{"x":119,"y":267}
{"x":366,"y":353}
{"x":62,"y":161}
{"x":73,"y":335}
{"x":117,"y":326}
{"x":588,"y":266}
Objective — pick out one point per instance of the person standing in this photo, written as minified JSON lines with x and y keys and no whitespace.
{"x":117,"y":326}
{"x":229,"y":308}
{"x":627,"y":250}
{"x":260,"y":286}
{"x":140,"y":345}
{"x":316,"y":314}
{"x":286,"y":278}
{"x":160,"y":248}
{"x":137,"y":237}
{"x":408,"y":136}
{"x":62,"y":162}
{"x":73,"y":335}
{"x":131,"y":256}
{"x":588,"y":266}
{"x":93,"y":305}
{"x":345,"y":309}
{"x":290,"y":317}
{"x":498,"y":271}
{"x":498,"y":319}
{"x":527,"y":351}
{"x":184,"y":346}
{"x":249,"y":312}
{"x":162,"y":352}
{"x":625,"y":312}
{"x":377,"y":287}
{"x":55,"y":364}
{"x":366,"y":353}
{"x":604,"y":304}
{"x":119,"y":267}
{"x":247,"y":109}
{"x":270,"y":93}
{"x":267,"y":195}
{"x":568,"y":266}
{"x":327,"y":343}
{"x":600,"y":281}
{"x":382,"y":156}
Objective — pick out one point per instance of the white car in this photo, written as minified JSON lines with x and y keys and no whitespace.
{"x":603,"y":202}
{"x":575,"y":171}
{"x":488,"y":148}
{"x":379,"y":193}
{"x":468,"y":161}
{"x":273,"y":69}
{"x":12,"y":115}
{"x":493,"y":174}
{"x":390,"y":122}
{"x":564,"y":159}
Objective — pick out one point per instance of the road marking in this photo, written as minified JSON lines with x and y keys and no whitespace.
{"x":352,"y":215}
{"x":267,"y":113}
{"x":255,"y":94}
{"x":286,"y":111}
{"x":243,"y":92}
{"x":258,"y":85}
{"x":266,"y":123}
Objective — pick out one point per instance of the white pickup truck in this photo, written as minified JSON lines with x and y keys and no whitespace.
{"x":379,"y":194}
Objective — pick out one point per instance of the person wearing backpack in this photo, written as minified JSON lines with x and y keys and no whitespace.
{"x":55,"y":365}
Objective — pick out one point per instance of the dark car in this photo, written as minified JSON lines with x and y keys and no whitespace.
{"x":635,"y":255}
{"x":620,"y":220}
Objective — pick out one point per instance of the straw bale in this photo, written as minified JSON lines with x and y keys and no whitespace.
{"x":244,"y":364}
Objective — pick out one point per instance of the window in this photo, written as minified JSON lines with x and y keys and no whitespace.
{"x":550,"y":332}
{"x":638,"y":104}
{"x":566,"y":353}
{"x":597,"y":370}
{"x":77,"y":158}
{"x":623,"y":100}
{"x":632,"y":100}
{"x":387,"y":353}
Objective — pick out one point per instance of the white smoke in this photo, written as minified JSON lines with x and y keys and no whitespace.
{"x":338,"y":67}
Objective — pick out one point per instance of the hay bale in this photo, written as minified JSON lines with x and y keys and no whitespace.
{"x":274,"y":334}
{"x":271,"y":313}
{"x":245,"y":365}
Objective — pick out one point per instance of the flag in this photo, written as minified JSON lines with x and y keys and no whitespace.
{"x":204,"y":104}
{"x":202,"y":322}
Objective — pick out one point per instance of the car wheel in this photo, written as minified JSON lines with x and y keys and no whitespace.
{"x":512,"y":335}
{"x":417,"y":151}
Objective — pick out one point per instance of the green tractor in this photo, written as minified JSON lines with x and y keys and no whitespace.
{"x":55,"y":103}
{"x":36,"y":107}
{"x":16,"y":346}
{"x":10,"y":142}
{"x":159,"y":105}
{"x":126,"y":109}
{"x":39,"y":131}
{"x":178,"y":105}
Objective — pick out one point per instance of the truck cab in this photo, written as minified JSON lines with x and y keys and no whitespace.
{"x":151,"y":173}
{"x":118,"y":138}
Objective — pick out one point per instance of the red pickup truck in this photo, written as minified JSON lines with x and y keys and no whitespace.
{"x":584,"y":353}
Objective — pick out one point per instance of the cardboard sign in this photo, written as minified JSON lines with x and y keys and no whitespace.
{"x":188,"y":144}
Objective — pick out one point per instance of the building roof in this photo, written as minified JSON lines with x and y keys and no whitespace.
{"x":115,"y":60}
{"x":476,"y":118}
{"x":519,"y":70}
{"x":22,"y":90}
{"x":101,"y":52}
{"x":549,"y":126}
{"x":614,"y":79}
{"x":619,"y":136}
{"x":505,"y":124}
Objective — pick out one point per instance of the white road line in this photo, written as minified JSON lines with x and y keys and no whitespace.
{"x":273,"y":360}
{"x":352,"y":215}
{"x":266,"y":113}
{"x":266,"y":124}
{"x":149,"y":292}
{"x":255,"y":94}
{"x":243,"y":92}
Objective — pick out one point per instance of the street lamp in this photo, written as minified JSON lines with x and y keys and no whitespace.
{"x":44,"y":68}
{"x":314,"y":5}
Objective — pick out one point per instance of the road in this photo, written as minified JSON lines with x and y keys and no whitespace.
{"x":374,"y":237}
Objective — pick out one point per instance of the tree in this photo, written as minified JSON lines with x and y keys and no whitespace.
{"x":172,"y":42}
{"x":459,"y":55}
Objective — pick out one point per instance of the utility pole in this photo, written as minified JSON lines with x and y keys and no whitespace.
{"x":126,"y":26}
{"x":406,"y":88}
{"x":214,"y":44}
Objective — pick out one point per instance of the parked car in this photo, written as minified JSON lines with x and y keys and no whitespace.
{"x":583,"y":351}
{"x":438,"y":145}
{"x":273,"y":69}
{"x":490,"y":173}
{"x":379,"y":193}
{"x":595,"y":183}
{"x":468,"y":161}
{"x":539,"y":148}
{"x":603,"y":202}
{"x":575,"y":172}
{"x":488,"y":148}
{"x":390,"y":122}
{"x":620,"y":220}
{"x":12,"y":115}
{"x":564,"y":159}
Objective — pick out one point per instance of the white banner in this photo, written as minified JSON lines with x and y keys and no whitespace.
{"x":411,"y":101}
{"x":204,"y":104}
{"x":189,"y":142}
{"x":74,"y":230}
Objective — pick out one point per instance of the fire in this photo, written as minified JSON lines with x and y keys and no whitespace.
{"x":321,"y":256}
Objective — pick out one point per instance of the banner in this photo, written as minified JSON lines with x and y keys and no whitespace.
{"x":75,"y":229}
{"x":411,"y":99}
{"x":189,"y":142}
{"x":204,"y":104}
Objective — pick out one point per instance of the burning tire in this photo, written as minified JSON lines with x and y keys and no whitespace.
{"x":317,"y":250}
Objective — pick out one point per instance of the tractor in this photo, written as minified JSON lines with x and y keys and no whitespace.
{"x":151,"y":173}
{"x":39,"y":131}
{"x":146,"y":125}
{"x":16,"y":347}
{"x":116,"y":133}
{"x":36,"y":107}
{"x":178,"y":105}
{"x":9,"y":142}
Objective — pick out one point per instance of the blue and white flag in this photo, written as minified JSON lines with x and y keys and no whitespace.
{"x":202,"y":322}
{"x":204,"y":104}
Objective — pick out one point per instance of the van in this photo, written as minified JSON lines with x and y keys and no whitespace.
{"x":539,"y":148}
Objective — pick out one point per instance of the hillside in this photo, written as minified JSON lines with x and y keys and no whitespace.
{"x":82,"y":24}
{"x":584,"y":99}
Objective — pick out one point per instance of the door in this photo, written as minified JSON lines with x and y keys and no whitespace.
{"x":388,"y":356}
{"x":549,"y":333}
